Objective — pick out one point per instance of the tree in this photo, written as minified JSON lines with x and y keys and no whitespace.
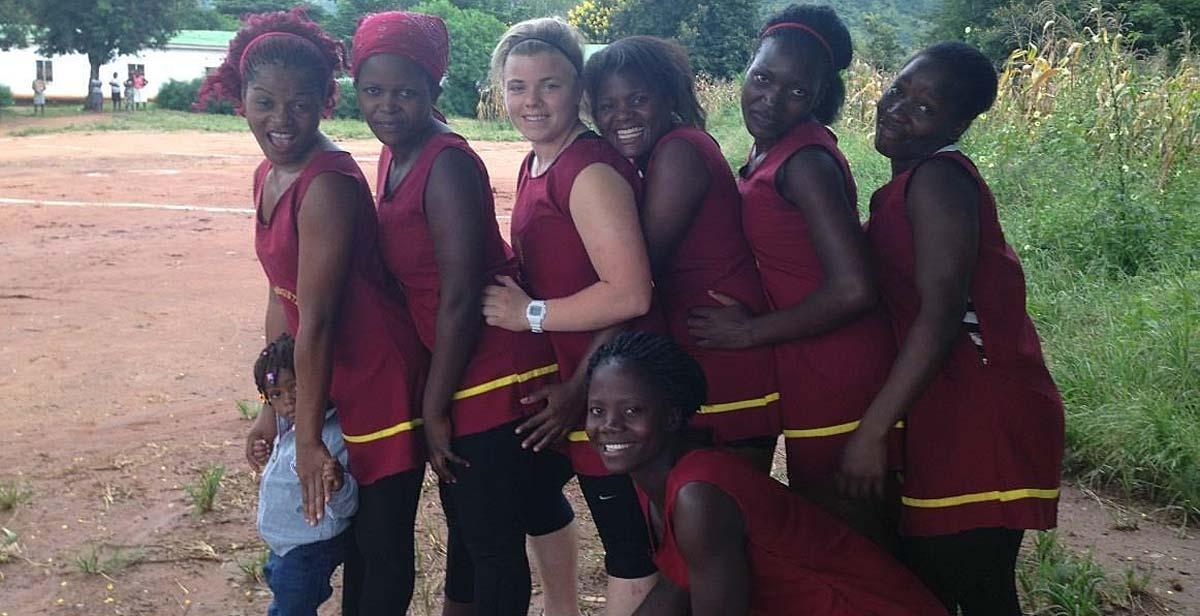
{"x":718,"y":34}
{"x":14,"y":24}
{"x":594,"y":19}
{"x":238,"y":8}
{"x":104,"y":29}
{"x":201,"y":17}
{"x":880,"y":45}
{"x":473,"y":33}
{"x":1161,"y":22}
{"x":346,"y":14}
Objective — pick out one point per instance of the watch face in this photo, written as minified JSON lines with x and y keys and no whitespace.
{"x":536,"y":310}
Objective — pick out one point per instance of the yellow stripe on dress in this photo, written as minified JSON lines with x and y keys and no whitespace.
{"x":384,"y":433}
{"x":828,"y":430}
{"x":979,"y":497}
{"x":739,"y":405}
{"x":578,"y":436}
{"x":505,"y":381}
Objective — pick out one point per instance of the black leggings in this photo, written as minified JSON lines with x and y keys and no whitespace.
{"x":383,"y":529}
{"x":973,"y":570}
{"x":505,"y":493}
{"x":615,"y":509}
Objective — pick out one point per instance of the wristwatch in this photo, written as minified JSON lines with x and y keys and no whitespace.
{"x":535,"y":313}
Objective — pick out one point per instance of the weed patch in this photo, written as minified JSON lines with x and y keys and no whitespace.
{"x":203,"y":491}
{"x":13,"y":492}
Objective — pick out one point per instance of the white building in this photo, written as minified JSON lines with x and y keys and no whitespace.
{"x":189,"y":55}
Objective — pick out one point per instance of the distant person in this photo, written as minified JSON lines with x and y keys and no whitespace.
{"x":983,"y":418}
{"x":115,"y":84}
{"x":128,"y":96}
{"x":728,"y":539}
{"x":302,"y":557}
{"x":139,"y":90}
{"x":39,"y":96}
{"x":95,"y":100}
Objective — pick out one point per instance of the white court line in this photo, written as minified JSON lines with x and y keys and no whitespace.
{"x":147,"y":206}
{"x":140,"y":206}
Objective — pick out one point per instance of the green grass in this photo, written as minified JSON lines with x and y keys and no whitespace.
{"x":1054,"y":580}
{"x":248,"y":409}
{"x":13,"y":492}
{"x":253,"y":569}
{"x":162,"y":120}
{"x":203,"y":492}
{"x":100,"y":561}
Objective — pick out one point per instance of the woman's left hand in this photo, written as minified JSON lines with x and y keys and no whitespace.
{"x":727,"y":327}
{"x":504,"y":305}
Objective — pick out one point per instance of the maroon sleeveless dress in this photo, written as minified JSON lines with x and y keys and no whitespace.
{"x":505,"y":366}
{"x":554,"y":261}
{"x":984,"y":442}
{"x":743,"y":401}
{"x":379,"y":365}
{"x":803,"y":561}
{"x":826,"y":381}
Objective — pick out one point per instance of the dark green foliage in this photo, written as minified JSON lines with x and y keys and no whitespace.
{"x":237,"y":8}
{"x":344,"y":19}
{"x":1161,"y":22}
{"x":181,"y":95}
{"x":910,"y":18}
{"x":512,"y":11}
{"x":14,"y":23}
{"x":6,"y":97}
{"x":880,"y":44}
{"x":473,"y":34}
{"x":347,"y":105}
{"x":718,"y":34}
{"x":202,"y":18}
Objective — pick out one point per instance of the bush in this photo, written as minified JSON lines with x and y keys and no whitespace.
{"x":181,"y":95}
{"x":473,"y":33}
{"x":6,"y":97}
{"x":347,"y":105}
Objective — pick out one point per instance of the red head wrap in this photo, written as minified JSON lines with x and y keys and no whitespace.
{"x":416,"y":36}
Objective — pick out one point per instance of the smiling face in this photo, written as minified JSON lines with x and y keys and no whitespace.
{"x":630,"y":114}
{"x":281,"y":393}
{"x":541,"y":94}
{"x":783,"y":85}
{"x":396,"y":98}
{"x":283,"y":109}
{"x":629,"y":423}
{"x":915,"y":116}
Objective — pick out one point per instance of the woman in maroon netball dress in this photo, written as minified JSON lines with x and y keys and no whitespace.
{"x":832,"y":342}
{"x":575,"y":231}
{"x":728,"y":539}
{"x":439,"y":238}
{"x":315,"y":235}
{"x":984,"y":421}
{"x":644,"y":102}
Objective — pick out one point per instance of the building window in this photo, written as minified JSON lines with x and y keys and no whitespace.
{"x":137,"y":69}
{"x":45,"y":70}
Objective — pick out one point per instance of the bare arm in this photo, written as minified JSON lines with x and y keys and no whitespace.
{"x":261,"y":435}
{"x":326,"y":224}
{"x":813,"y":182}
{"x":943,"y":210}
{"x":605,"y":214}
{"x":455,"y":211}
{"x":711,"y":534}
{"x":671,"y":204}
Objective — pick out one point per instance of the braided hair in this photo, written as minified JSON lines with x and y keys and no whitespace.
{"x":277,"y":356}
{"x":834,"y":48}
{"x":664,"y":365}
{"x":313,"y":52}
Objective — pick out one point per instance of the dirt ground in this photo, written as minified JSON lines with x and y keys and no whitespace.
{"x":130,"y":311}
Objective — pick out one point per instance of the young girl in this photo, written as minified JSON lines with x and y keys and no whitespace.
{"x":832,"y":344}
{"x":439,"y":238}
{"x":644,"y":103}
{"x":729,"y":540}
{"x":302,"y":557}
{"x":575,"y":231}
{"x":316,"y":234}
{"x":984,"y":422}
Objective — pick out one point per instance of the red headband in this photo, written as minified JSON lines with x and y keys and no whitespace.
{"x":420,"y":38}
{"x":274,"y":34}
{"x":792,"y":25}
